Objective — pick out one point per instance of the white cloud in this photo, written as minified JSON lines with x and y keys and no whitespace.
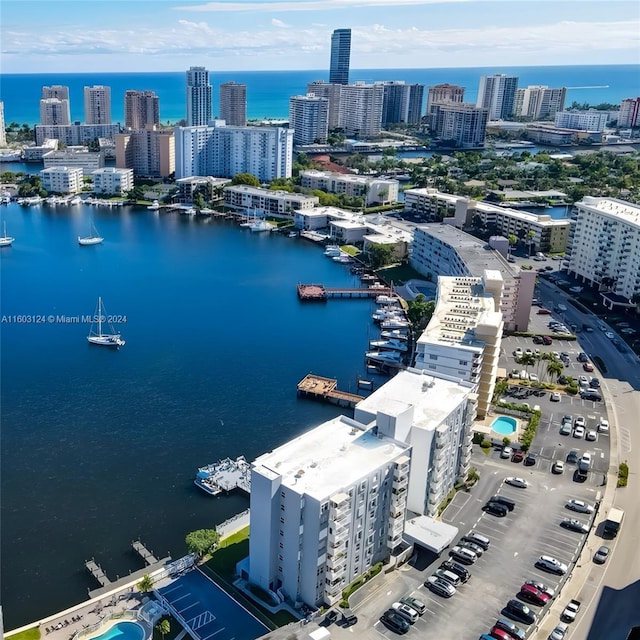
{"x":278,"y":23}
{"x":308,"y":5}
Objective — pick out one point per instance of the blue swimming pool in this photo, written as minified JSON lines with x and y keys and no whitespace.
{"x":122,"y":630}
{"x":504,"y":425}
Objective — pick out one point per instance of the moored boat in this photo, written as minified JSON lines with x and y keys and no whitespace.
{"x":97,"y":336}
{"x":5,"y":240}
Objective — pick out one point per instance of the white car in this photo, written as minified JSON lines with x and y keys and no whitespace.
{"x":591,"y":435}
{"x":533,"y":377}
{"x":506,"y":452}
{"x":579,"y":506}
{"x":555,"y":397}
{"x":603,"y":426}
{"x":552,"y":565}
{"x":517,"y":482}
{"x":557,"y":467}
{"x":578,"y":432}
{"x":583,"y":381}
{"x":559,"y":632}
{"x":609,"y":335}
{"x":579,"y":421}
{"x":518,"y":353}
{"x":409,"y":614}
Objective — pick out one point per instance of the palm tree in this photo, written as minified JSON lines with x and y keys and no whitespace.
{"x":527,"y":359}
{"x":146,"y":583}
{"x":554,"y":368}
{"x":163,"y":627}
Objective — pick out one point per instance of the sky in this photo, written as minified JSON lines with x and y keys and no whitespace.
{"x":39,"y":36}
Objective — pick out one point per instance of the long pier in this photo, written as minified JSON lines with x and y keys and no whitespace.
{"x":320,"y":293}
{"x":96,"y":571}
{"x":325,"y":389}
{"x":144,"y":553}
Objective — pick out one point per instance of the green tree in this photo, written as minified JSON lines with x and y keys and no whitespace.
{"x":527,"y":360}
{"x":420,"y":311}
{"x":146,"y":583}
{"x":554,"y":368}
{"x":163,"y":627}
{"x":245,"y":178}
{"x":202,"y":541}
{"x":380,"y":255}
{"x":513,"y":240}
{"x":135,"y":194}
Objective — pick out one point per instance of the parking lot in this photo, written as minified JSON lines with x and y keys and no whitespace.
{"x":517,"y":540}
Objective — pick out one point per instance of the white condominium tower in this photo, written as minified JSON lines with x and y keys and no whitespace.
{"x":538,"y":101}
{"x":54,"y":105}
{"x":97,"y":105}
{"x":361,"y":109}
{"x":340,"y":56}
{"x":325,"y":507}
{"x":332,"y":92}
{"x":233,"y":103}
{"x":3,"y":133}
{"x":497,"y":93}
{"x":604,"y":245}
{"x":141,"y":109}
{"x":198,"y":97}
{"x":309,"y":118}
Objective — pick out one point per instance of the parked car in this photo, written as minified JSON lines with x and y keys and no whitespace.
{"x":517,"y":482}
{"x":530,"y":460}
{"x":584,"y":463}
{"x":518,"y":456}
{"x":407,"y":612}
{"x":570,"y":611}
{"x":583,"y":381}
{"x":555,"y":397}
{"x":587,"y":366}
{"x":447,"y":576}
{"x":579,"y":421}
{"x":591,"y":435}
{"x":603,"y":426}
{"x":572,"y":457}
{"x":330,"y":617}
{"x":348,"y":618}
{"x":478,"y":538}
{"x":394,"y":621}
{"x":537,"y":340}
{"x":506,"y":452}
{"x":528,"y":593}
{"x":557,"y":467}
{"x":582,"y":357}
{"x":516,"y":610}
{"x":609,"y":334}
{"x":495,"y":509}
{"x":541,"y":586}
{"x":547,"y":563}
{"x":601,"y":555}
{"x":499,"y":634}
{"x":578,"y":432}
{"x":594,"y":383}
{"x":518,"y":353}
{"x":472,"y":546}
{"x":466,"y":556}
{"x":591,"y":394}
{"x":579,"y":506}
{"x":559,"y":632}
{"x":514,"y":631}
{"x":543,"y":312}
{"x":440,"y":587}
{"x":547,"y":340}
{"x":565,"y":429}
{"x":504,"y":500}
{"x":574,"y":525}
{"x":458,"y":569}
{"x":417,"y":605}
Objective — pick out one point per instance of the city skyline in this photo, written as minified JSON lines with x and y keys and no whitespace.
{"x":237,"y":35}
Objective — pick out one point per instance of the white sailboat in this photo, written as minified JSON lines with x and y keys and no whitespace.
{"x":5,"y":240}
{"x":97,"y":336}
{"x":92,"y":238}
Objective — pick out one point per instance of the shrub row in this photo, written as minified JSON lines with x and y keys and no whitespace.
{"x":530,"y":431}
{"x":623,"y":474}
{"x":373,"y":570}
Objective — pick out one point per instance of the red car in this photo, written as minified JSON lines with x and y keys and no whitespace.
{"x":518,"y":456}
{"x":587,"y":366}
{"x":543,"y":312}
{"x":528,"y":593}
{"x":499,"y":634}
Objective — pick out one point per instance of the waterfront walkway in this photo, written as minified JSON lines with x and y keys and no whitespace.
{"x":321,"y":388}
{"x":320,"y":293}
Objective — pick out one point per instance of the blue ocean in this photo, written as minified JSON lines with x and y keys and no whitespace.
{"x":100,"y":447}
{"x":268,"y":92}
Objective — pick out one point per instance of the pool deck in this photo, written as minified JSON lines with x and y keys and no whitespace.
{"x":484,"y":426}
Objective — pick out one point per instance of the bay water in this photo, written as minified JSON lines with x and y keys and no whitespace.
{"x":100,"y":447}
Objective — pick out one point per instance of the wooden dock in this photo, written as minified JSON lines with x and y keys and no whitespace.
{"x":144,"y":553}
{"x":96,"y":571}
{"x":325,"y":389}
{"x":320,"y":293}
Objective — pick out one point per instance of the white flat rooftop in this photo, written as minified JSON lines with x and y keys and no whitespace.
{"x":625,"y":211}
{"x":332,"y":456}
{"x":433,"y":398}
{"x":429,"y":533}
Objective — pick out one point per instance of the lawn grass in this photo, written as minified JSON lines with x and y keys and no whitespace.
{"x":28,"y":634}
{"x":223,"y":561}
{"x":399,"y":274}
{"x":233,"y":538}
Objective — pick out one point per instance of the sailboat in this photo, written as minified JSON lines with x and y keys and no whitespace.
{"x":111,"y":339}
{"x":92,"y":238}
{"x":5,"y":240}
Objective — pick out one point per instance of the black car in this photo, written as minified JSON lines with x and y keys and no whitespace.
{"x":519,"y":612}
{"x":530,"y":459}
{"x":582,"y":357}
{"x":537,"y":340}
{"x":348,"y":618}
{"x":563,"y":379}
{"x":469,"y":544}
{"x":572,"y":457}
{"x":507,"y":502}
{"x":594,"y":383}
{"x":394,"y":621}
{"x":330,"y":617}
{"x":458,"y":569}
{"x":495,"y":509}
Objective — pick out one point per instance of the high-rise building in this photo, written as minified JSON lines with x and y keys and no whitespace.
{"x":604,"y":244}
{"x":54,"y":105}
{"x":149,"y":152}
{"x":629,"y":113}
{"x":54,"y":111}
{"x":198,"y":97}
{"x":439,"y":93}
{"x":340,"y":56}
{"x":62,"y":179}
{"x":496,"y":93}
{"x":331,"y":92}
{"x":73,"y":134}
{"x":590,"y":120}
{"x":361,"y":109}
{"x":538,"y":101}
{"x":327,"y":505}
{"x":222,"y":151}
{"x":233,"y":103}
{"x":309,"y":118}
{"x":401,"y":102}
{"x":3,"y":133}
{"x":140,"y":109}
{"x":461,"y":123}
{"x":97,"y":105}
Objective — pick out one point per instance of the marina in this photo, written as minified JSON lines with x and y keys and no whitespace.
{"x":224,"y":476}
{"x":320,"y":293}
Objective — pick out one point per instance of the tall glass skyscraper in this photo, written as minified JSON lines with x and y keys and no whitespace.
{"x":340,"y":56}
{"x":198,"y":97}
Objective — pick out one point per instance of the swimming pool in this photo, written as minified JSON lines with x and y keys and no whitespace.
{"x":122,"y":630}
{"x":504,"y":425}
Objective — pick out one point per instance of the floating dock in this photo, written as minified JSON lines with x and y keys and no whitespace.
{"x":96,"y":571}
{"x":325,"y":389}
{"x":320,"y":293}
{"x":144,"y":553}
{"x":224,"y":476}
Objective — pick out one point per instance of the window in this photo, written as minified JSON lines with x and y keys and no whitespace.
{"x":281,"y":520}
